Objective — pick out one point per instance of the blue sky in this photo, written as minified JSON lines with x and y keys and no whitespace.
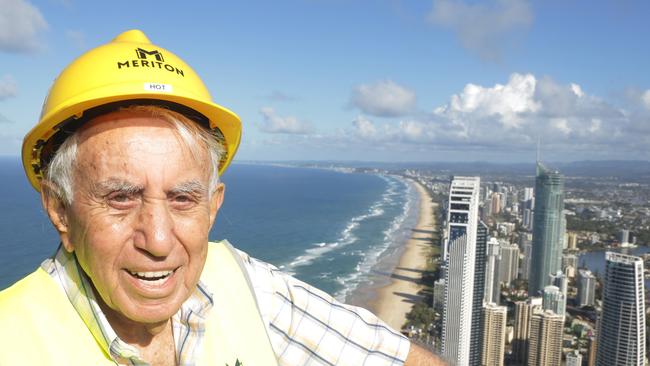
{"x":372,"y":80}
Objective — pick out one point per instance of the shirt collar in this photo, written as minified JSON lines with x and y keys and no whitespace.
{"x":65,"y":270}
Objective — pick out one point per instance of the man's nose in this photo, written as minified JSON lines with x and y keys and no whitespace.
{"x":155,"y":229}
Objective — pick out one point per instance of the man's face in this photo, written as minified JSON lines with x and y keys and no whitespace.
{"x":140,"y":215}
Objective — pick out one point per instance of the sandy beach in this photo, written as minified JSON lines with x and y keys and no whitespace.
{"x":393,"y":301}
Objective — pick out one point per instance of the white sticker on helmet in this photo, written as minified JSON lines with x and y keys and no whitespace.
{"x":157,"y":87}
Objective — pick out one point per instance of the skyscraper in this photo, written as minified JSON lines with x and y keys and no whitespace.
{"x":547,"y":229}
{"x":476,"y":336}
{"x":624,"y":237}
{"x":586,"y":288}
{"x":593,"y":348}
{"x":492,"y":288}
{"x":494,"y":335}
{"x":569,"y":264}
{"x":495,"y":203}
{"x":527,"y":249}
{"x":528,"y":194}
{"x":572,"y":241}
{"x":621,"y":330}
{"x":523,"y":312}
{"x":554,"y":300}
{"x":545,"y":342}
{"x":459,"y":257}
{"x":509,"y":263}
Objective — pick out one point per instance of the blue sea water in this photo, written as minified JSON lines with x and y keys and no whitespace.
{"x":328,"y":228}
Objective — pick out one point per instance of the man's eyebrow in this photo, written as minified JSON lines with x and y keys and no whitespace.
{"x":117,"y":185}
{"x":193,"y":187}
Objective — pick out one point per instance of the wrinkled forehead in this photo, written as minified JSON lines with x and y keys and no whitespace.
{"x":119,"y":140}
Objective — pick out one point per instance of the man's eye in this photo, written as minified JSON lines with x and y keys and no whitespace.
{"x":183,"y":199}
{"x":120,"y":200}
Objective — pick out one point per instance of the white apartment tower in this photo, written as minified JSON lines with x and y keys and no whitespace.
{"x":492,"y":288}
{"x":621,"y":330}
{"x":586,"y":288}
{"x":509,"y":263}
{"x":459,"y":257}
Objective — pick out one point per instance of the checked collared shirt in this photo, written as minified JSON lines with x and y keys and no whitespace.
{"x":305,"y":325}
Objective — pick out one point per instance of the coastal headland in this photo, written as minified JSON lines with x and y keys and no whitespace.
{"x":394,"y":300}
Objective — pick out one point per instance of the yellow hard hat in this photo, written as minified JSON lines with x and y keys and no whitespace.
{"x":127,"y":70}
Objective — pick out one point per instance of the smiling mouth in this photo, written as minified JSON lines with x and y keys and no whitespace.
{"x":155,"y":277}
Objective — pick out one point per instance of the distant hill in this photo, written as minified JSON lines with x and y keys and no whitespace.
{"x":628,"y":170}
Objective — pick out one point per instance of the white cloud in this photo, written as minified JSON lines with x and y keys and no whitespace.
{"x":561,"y":124}
{"x":510,"y":117}
{"x":364,"y":128}
{"x":20,"y":25}
{"x":272,"y":123}
{"x":507,"y":103}
{"x":383,"y":99}
{"x":500,"y":121}
{"x":483,"y":27}
{"x":645,"y":98}
{"x":8,"y":87}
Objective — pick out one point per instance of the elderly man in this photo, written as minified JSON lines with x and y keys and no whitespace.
{"x":127,"y":156}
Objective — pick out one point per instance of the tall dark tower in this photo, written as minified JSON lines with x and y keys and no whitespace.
{"x":547,"y":229}
{"x":476,"y":336}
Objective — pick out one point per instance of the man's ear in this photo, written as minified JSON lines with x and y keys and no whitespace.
{"x":57,"y":211}
{"x":216,"y":199}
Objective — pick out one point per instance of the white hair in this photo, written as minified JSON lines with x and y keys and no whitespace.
{"x":196,"y":138}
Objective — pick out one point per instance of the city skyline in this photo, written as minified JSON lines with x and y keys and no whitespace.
{"x":569,"y":303}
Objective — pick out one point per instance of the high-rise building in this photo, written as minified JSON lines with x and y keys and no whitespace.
{"x":560,"y":280}
{"x":621,"y":327}
{"x":558,"y":304}
{"x":624,"y":237}
{"x":593,"y":347}
{"x":494,"y":335}
{"x":572,"y":241}
{"x":528,"y":195}
{"x":495,"y":203}
{"x":545,"y":342}
{"x":523,"y":312}
{"x":586,"y":288}
{"x":569,"y":264}
{"x":527,"y":219}
{"x":554,"y":300}
{"x":492,"y":287}
{"x":476,"y":335}
{"x":547,"y":229}
{"x":459,"y":256}
{"x":509,"y":263}
{"x":574,"y":358}
{"x":524,"y":270}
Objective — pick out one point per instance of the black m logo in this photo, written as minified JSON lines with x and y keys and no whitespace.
{"x":142,"y":54}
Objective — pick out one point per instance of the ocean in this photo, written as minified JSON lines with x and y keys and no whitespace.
{"x":329,"y":228}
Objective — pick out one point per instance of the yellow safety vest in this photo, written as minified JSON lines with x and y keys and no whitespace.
{"x":39,"y":326}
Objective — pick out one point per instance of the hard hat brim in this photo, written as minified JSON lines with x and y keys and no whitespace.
{"x":218,"y":116}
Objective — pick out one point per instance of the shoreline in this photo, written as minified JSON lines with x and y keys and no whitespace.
{"x":392,"y":301}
